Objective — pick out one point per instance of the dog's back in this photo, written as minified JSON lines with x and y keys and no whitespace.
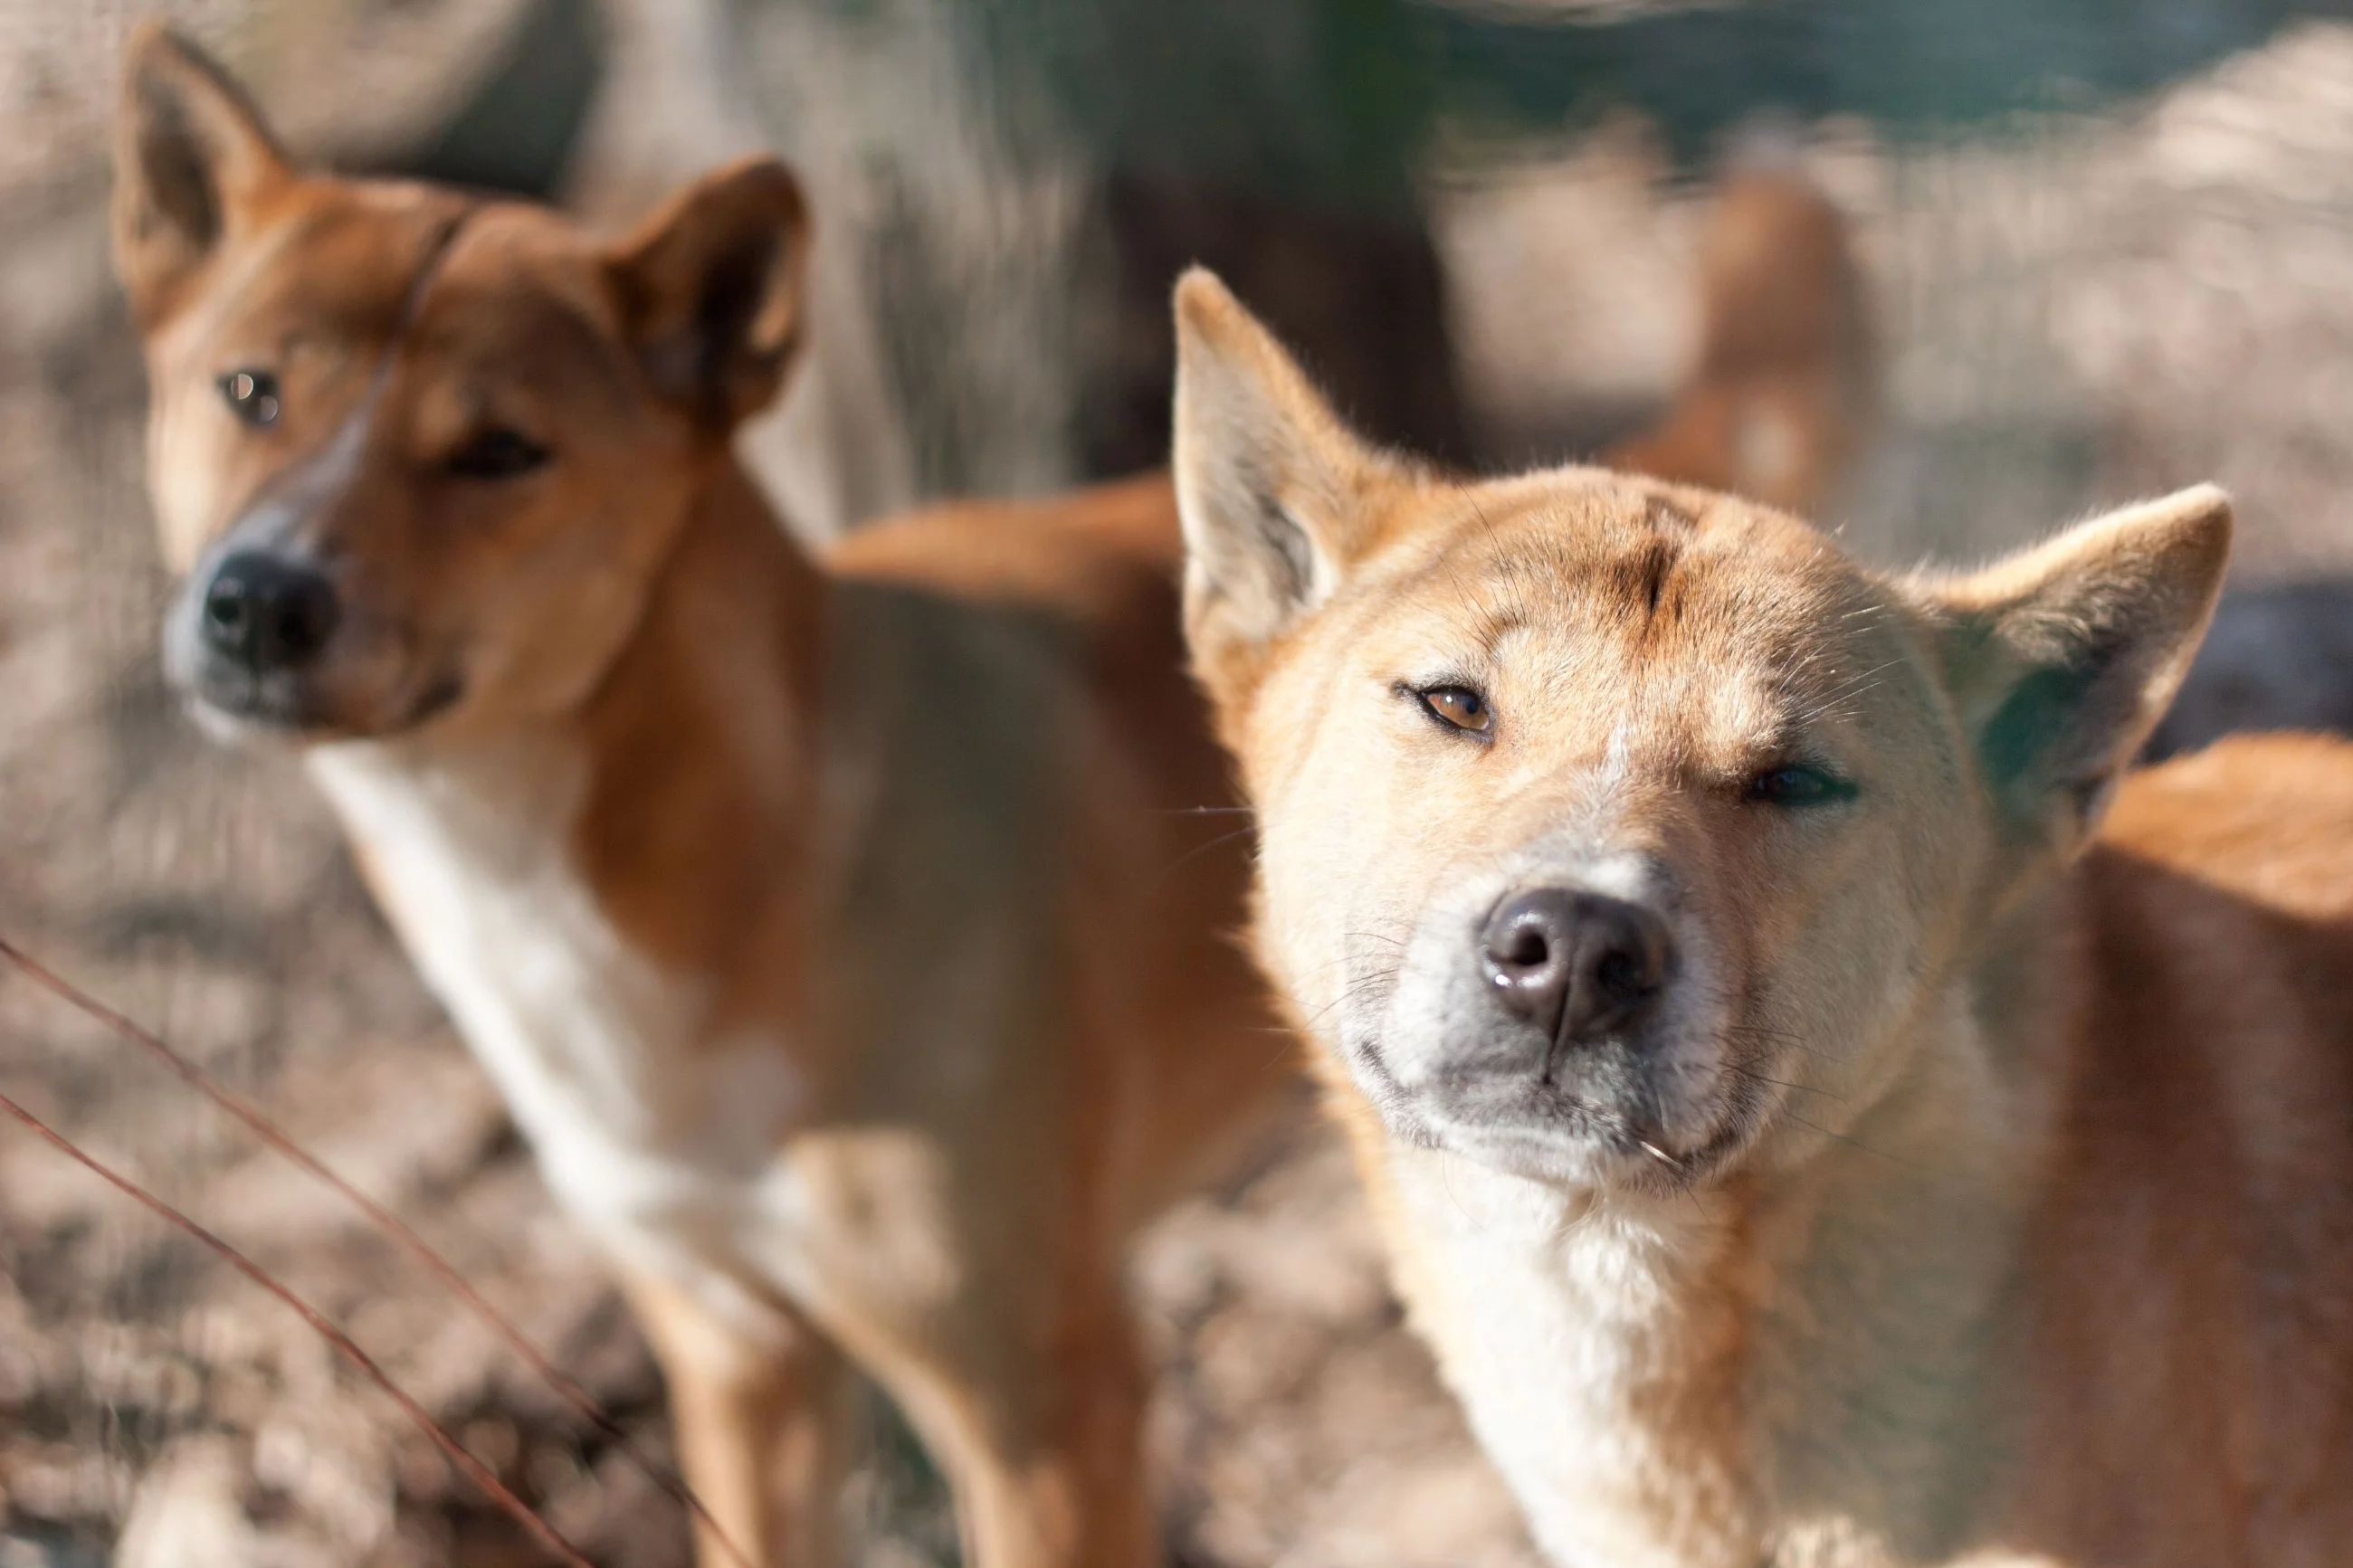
{"x":1073,"y":600}
{"x":2195,"y":1240}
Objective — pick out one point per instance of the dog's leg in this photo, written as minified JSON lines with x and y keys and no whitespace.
{"x":1062,"y":1484}
{"x":762,"y":1417}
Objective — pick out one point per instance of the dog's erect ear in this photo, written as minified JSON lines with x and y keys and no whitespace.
{"x":193,"y":162}
{"x":1273,"y":488}
{"x":2062,"y":659}
{"x":710,"y":289}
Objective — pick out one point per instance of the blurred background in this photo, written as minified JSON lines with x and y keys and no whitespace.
{"x":2108,"y":247}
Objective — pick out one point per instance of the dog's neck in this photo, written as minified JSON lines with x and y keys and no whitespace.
{"x":671,"y":802}
{"x":699,"y":739}
{"x":1790,"y":1356}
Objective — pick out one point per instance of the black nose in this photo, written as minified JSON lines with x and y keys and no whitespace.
{"x":267,"y":613}
{"x":1575,"y":965}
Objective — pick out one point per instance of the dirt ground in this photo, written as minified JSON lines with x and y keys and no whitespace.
{"x":2073,"y":311}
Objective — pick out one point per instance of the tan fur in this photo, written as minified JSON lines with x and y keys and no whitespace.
{"x":1972,"y":1186}
{"x":848,"y":935}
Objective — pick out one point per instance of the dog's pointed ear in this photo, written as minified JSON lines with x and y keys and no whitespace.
{"x":710,"y":289}
{"x":2063,"y":658}
{"x":194,"y":163}
{"x":1272,"y":488}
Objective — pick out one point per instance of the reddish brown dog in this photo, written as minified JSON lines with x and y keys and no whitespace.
{"x":843,"y":935}
{"x":846,"y":935}
{"x":1824,"y":1110}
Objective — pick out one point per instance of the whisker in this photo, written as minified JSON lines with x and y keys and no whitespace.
{"x":1783,"y":1083}
{"x":1859,"y":1143}
{"x":1377,"y":979}
{"x":1779,"y":1038}
{"x":1196,"y":852}
{"x":1857,"y":679}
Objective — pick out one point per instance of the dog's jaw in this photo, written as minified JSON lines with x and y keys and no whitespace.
{"x":1648,"y":1408}
{"x":1419,"y":1032}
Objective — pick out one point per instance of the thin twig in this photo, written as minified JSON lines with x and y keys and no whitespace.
{"x":422,"y":1251}
{"x":480,"y":1474}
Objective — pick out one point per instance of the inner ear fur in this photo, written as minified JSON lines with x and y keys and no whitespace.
{"x":2061,"y":660}
{"x":710,"y":289}
{"x":195,"y":166}
{"x":1274,"y":491}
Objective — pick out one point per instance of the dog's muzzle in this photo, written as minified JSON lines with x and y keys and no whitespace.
{"x":264,"y":615}
{"x":1578,"y":966}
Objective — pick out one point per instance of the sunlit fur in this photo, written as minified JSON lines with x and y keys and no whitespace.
{"x":1978,"y":1191}
{"x":850,"y":937}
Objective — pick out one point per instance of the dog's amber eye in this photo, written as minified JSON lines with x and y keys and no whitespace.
{"x":495,"y":452}
{"x":1459,"y":706}
{"x":251,"y":396}
{"x":1796,"y":784}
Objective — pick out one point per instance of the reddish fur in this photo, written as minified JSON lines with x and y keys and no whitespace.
{"x":2188,"y":1256}
{"x":724,"y":719}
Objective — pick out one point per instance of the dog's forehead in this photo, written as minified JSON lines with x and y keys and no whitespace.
{"x":518,"y":248}
{"x":1606,"y":560}
{"x":1616,"y":606}
{"x":521,"y":294}
{"x":359,"y":262}
{"x":338,"y":267}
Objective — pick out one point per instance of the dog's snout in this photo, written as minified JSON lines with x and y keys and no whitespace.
{"x":1575,"y":964}
{"x":267,"y":613}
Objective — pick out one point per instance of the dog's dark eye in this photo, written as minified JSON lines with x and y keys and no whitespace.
{"x":251,"y":396}
{"x":1457,"y":706}
{"x":496,"y":453}
{"x":1797,"y":784}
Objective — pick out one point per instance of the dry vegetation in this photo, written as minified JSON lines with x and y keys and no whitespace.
{"x":2081,"y":311}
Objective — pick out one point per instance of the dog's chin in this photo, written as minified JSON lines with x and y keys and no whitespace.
{"x":1564,"y":1143}
{"x":1544,"y":1155}
{"x":1567,"y":1134}
{"x":244,"y":710}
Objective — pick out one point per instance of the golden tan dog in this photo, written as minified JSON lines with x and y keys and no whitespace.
{"x":1823,"y":1109}
{"x":840,"y":932}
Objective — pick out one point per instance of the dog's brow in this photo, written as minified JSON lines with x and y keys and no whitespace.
{"x":412,"y":305}
{"x":437,"y":251}
{"x":428,"y":270}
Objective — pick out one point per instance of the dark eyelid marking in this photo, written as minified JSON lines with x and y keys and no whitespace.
{"x":1798,"y":783}
{"x":496,"y":452}
{"x":1436,"y":701}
